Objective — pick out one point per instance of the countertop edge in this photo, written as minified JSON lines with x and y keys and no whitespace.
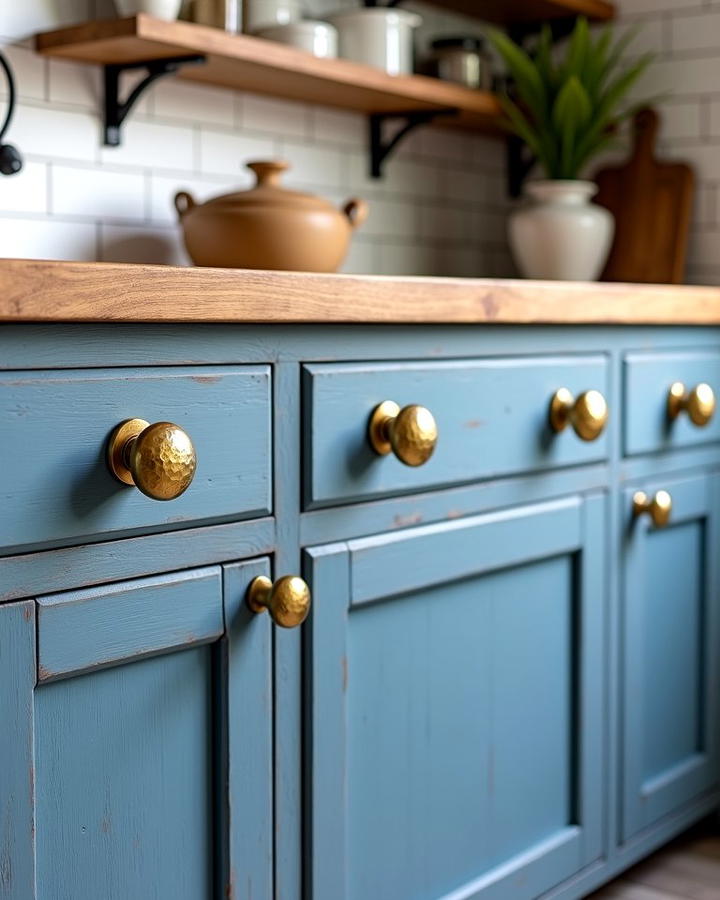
{"x":55,"y":291}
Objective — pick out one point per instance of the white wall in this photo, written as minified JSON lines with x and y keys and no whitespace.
{"x":439,"y":210}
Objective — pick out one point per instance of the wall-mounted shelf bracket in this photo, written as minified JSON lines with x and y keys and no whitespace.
{"x":116,"y":110}
{"x":380,"y":149}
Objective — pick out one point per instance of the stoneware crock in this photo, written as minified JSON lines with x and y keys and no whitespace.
{"x":559,"y":234}
{"x":268,"y":227}
{"x":162,"y":9}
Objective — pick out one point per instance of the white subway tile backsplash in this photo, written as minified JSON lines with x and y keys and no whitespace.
{"x":47,"y":239}
{"x":175,"y":98}
{"x":696,"y":31}
{"x":74,"y":84}
{"x":226,"y":153}
{"x":97,"y":192}
{"x":153,"y":145}
{"x":142,"y":244}
{"x":56,"y":134}
{"x":407,"y":259}
{"x":362,"y":257}
{"x":714,"y":118}
{"x":337,"y":126}
{"x":281,"y":117}
{"x":312,"y":165}
{"x":29,"y":73}
{"x":681,"y":120}
{"x":27,"y":191}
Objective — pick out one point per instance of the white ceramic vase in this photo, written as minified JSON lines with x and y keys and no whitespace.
{"x":560,"y":235}
{"x":161,"y":9}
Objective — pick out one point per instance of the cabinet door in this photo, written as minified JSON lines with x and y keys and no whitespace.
{"x":138,"y":759}
{"x":455,"y":714}
{"x":671,"y":636}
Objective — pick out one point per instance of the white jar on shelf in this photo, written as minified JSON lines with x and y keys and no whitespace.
{"x":378,"y":36}
{"x":258,"y":14}
{"x":161,"y":9}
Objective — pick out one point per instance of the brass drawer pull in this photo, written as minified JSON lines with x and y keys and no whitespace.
{"x":287,"y":600}
{"x":659,"y":507}
{"x":698,"y":403}
{"x":410,"y":433}
{"x":588,"y":413}
{"x":158,"y":459}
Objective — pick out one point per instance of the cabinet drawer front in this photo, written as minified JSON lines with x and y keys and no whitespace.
{"x":492,"y":418}
{"x":445,"y":700}
{"x":54,"y":481}
{"x":648,"y":377}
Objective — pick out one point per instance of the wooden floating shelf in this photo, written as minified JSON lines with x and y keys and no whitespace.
{"x":265,"y":67}
{"x":516,"y":12}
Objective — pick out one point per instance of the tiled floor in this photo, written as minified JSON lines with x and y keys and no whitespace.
{"x":687,"y":869}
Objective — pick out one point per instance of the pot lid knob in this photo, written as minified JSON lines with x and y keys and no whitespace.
{"x":269,"y":173}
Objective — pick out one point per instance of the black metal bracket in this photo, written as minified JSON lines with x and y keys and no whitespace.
{"x":380,"y":149}
{"x":116,"y":110}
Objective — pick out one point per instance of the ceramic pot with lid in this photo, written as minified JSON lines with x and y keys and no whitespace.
{"x":269,"y":227}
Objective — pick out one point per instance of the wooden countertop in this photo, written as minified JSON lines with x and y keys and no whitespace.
{"x":37,"y":291}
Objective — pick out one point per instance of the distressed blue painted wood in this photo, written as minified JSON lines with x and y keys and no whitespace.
{"x":141,"y":764}
{"x":86,"y":629}
{"x":445,"y":754}
{"x":648,"y":377}
{"x":245,"y":764}
{"x":17,"y":764}
{"x":492,"y":418}
{"x":671,"y":632}
{"x":54,"y":479}
{"x":471,"y":685}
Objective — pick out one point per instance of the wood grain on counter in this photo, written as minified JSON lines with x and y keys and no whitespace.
{"x":44,"y":291}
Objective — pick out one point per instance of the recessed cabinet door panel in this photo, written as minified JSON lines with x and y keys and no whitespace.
{"x":446,"y":755}
{"x":671,"y":634}
{"x":134,"y":757}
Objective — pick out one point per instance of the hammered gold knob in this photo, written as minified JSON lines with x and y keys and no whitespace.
{"x":658,"y":507}
{"x":158,"y":459}
{"x":698,"y":403}
{"x":588,"y":414}
{"x":410,"y":433}
{"x":287,"y":600}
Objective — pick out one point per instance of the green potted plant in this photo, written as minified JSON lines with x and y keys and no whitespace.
{"x":566,"y":107}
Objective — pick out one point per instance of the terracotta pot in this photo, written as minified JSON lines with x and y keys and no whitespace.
{"x":268,"y":227}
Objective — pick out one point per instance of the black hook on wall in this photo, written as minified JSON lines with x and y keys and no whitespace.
{"x":10,"y":159}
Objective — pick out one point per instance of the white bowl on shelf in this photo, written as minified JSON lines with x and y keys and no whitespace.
{"x":318,"y":38}
{"x":161,"y":9}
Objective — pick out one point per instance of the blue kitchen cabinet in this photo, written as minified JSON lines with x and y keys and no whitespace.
{"x":455,"y":719}
{"x":140,"y":762}
{"x":670,"y":640}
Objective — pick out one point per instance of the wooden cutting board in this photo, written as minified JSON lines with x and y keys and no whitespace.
{"x":652,"y":204}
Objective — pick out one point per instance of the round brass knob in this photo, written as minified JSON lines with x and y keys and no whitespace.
{"x":588,"y":414}
{"x":287,"y":601}
{"x":158,"y":459}
{"x":659,"y":507}
{"x":410,"y":433}
{"x":698,"y":403}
